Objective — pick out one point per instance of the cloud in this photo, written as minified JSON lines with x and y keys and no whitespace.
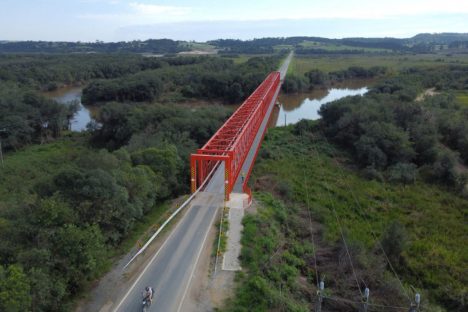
{"x":333,"y":28}
{"x":137,"y":12}
{"x":155,"y":9}
{"x":340,"y":9}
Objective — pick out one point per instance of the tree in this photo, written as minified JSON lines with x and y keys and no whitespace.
{"x":403,"y":172}
{"x":163,"y":162}
{"x":79,"y":254}
{"x":316,"y":77}
{"x":14,"y":289}
{"x":234,"y":93}
{"x":394,"y":241}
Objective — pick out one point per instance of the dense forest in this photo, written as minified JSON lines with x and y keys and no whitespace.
{"x":28,"y":117}
{"x":209,"y":79}
{"x":68,"y":200}
{"x":65,"y":206}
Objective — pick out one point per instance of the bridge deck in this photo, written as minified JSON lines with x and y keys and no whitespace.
{"x":250,"y":159}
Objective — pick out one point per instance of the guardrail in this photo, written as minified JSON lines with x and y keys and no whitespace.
{"x":184,"y":204}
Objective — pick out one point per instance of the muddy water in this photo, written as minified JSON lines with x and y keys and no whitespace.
{"x":68,"y":94}
{"x":294,"y":107}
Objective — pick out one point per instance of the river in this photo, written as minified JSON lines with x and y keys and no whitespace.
{"x":294,"y":107}
{"x":67,"y":94}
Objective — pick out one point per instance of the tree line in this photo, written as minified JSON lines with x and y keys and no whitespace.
{"x":48,"y":72}
{"x":319,"y":79}
{"x":210,"y":79}
{"x":136,"y":46}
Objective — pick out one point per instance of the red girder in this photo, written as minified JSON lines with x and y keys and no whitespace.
{"x":232,"y":142}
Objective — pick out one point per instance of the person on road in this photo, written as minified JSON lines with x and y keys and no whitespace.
{"x":149,"y":294}
{"x":243,"y":176}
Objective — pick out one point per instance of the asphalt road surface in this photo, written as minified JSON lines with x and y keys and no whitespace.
{"x":170,"y":269}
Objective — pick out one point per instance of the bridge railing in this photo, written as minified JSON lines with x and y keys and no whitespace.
{"x":232,"y":142}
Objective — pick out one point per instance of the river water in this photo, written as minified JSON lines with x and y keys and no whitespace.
{"x":294,"y":107}
{"x":66,"y":95}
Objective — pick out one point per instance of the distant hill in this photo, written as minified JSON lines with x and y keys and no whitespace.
{"x":421,"y":43}
{"x":442,"y":38}
{"x":158,"y":46}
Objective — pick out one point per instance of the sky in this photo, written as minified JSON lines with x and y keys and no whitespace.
{"x":202,"y":20}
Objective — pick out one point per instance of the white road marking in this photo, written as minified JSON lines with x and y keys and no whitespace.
{"x":151,"y":261}
{"x":196,"y":262}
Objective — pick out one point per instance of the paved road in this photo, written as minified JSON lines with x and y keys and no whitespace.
{"x":170,"y":270}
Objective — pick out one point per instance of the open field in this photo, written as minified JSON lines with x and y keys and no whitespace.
{"x":198,"y":46}
{"x":299,"y":170}
{"x":337,"y":47}
{"x":462,"y":98}
{"x":302,"y":64}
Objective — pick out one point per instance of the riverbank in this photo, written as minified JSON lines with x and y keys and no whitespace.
{"x":71,"y":95}
{"x":294,"y":107}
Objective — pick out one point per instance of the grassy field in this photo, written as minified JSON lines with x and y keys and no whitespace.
{"x":242,"y":58}
{"x":336,"y":47}
{"x":302,"y":64}
{"x":462,"y":98}
{"x":434,"y":218}
{"x":198,"y":46}
{"x":239,"y":59}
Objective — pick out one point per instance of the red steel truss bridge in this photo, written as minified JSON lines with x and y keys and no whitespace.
{"x":236,"y":143}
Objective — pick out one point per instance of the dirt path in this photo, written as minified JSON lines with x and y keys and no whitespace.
{"x":426,"y":93}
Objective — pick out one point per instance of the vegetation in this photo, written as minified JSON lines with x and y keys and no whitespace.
{"x":421,"y":43}
{"x":387,"y":130}
{"x":66,"y":206}
{"x":208,"y":78}
{"x":420,"y":226}
{"x":394,"y":168}
{"x":136,"y":46}
{"x":301,"y":64}
{"x":48,"y":72}
{"x":319,"y":79}
{"x":27,"y":117}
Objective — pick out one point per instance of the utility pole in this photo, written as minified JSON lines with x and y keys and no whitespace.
{"x":321,"y":287}
{"x":1,"y":153}
{"x":415,"y":306}
{"x":365,"y":300}
{"x":1,"y":149}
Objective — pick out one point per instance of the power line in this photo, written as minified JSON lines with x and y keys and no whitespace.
{"x":369,"y":304}
{"x":310,"y":221}
{"x":341,"y":229}
{"x":361,"y":212}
